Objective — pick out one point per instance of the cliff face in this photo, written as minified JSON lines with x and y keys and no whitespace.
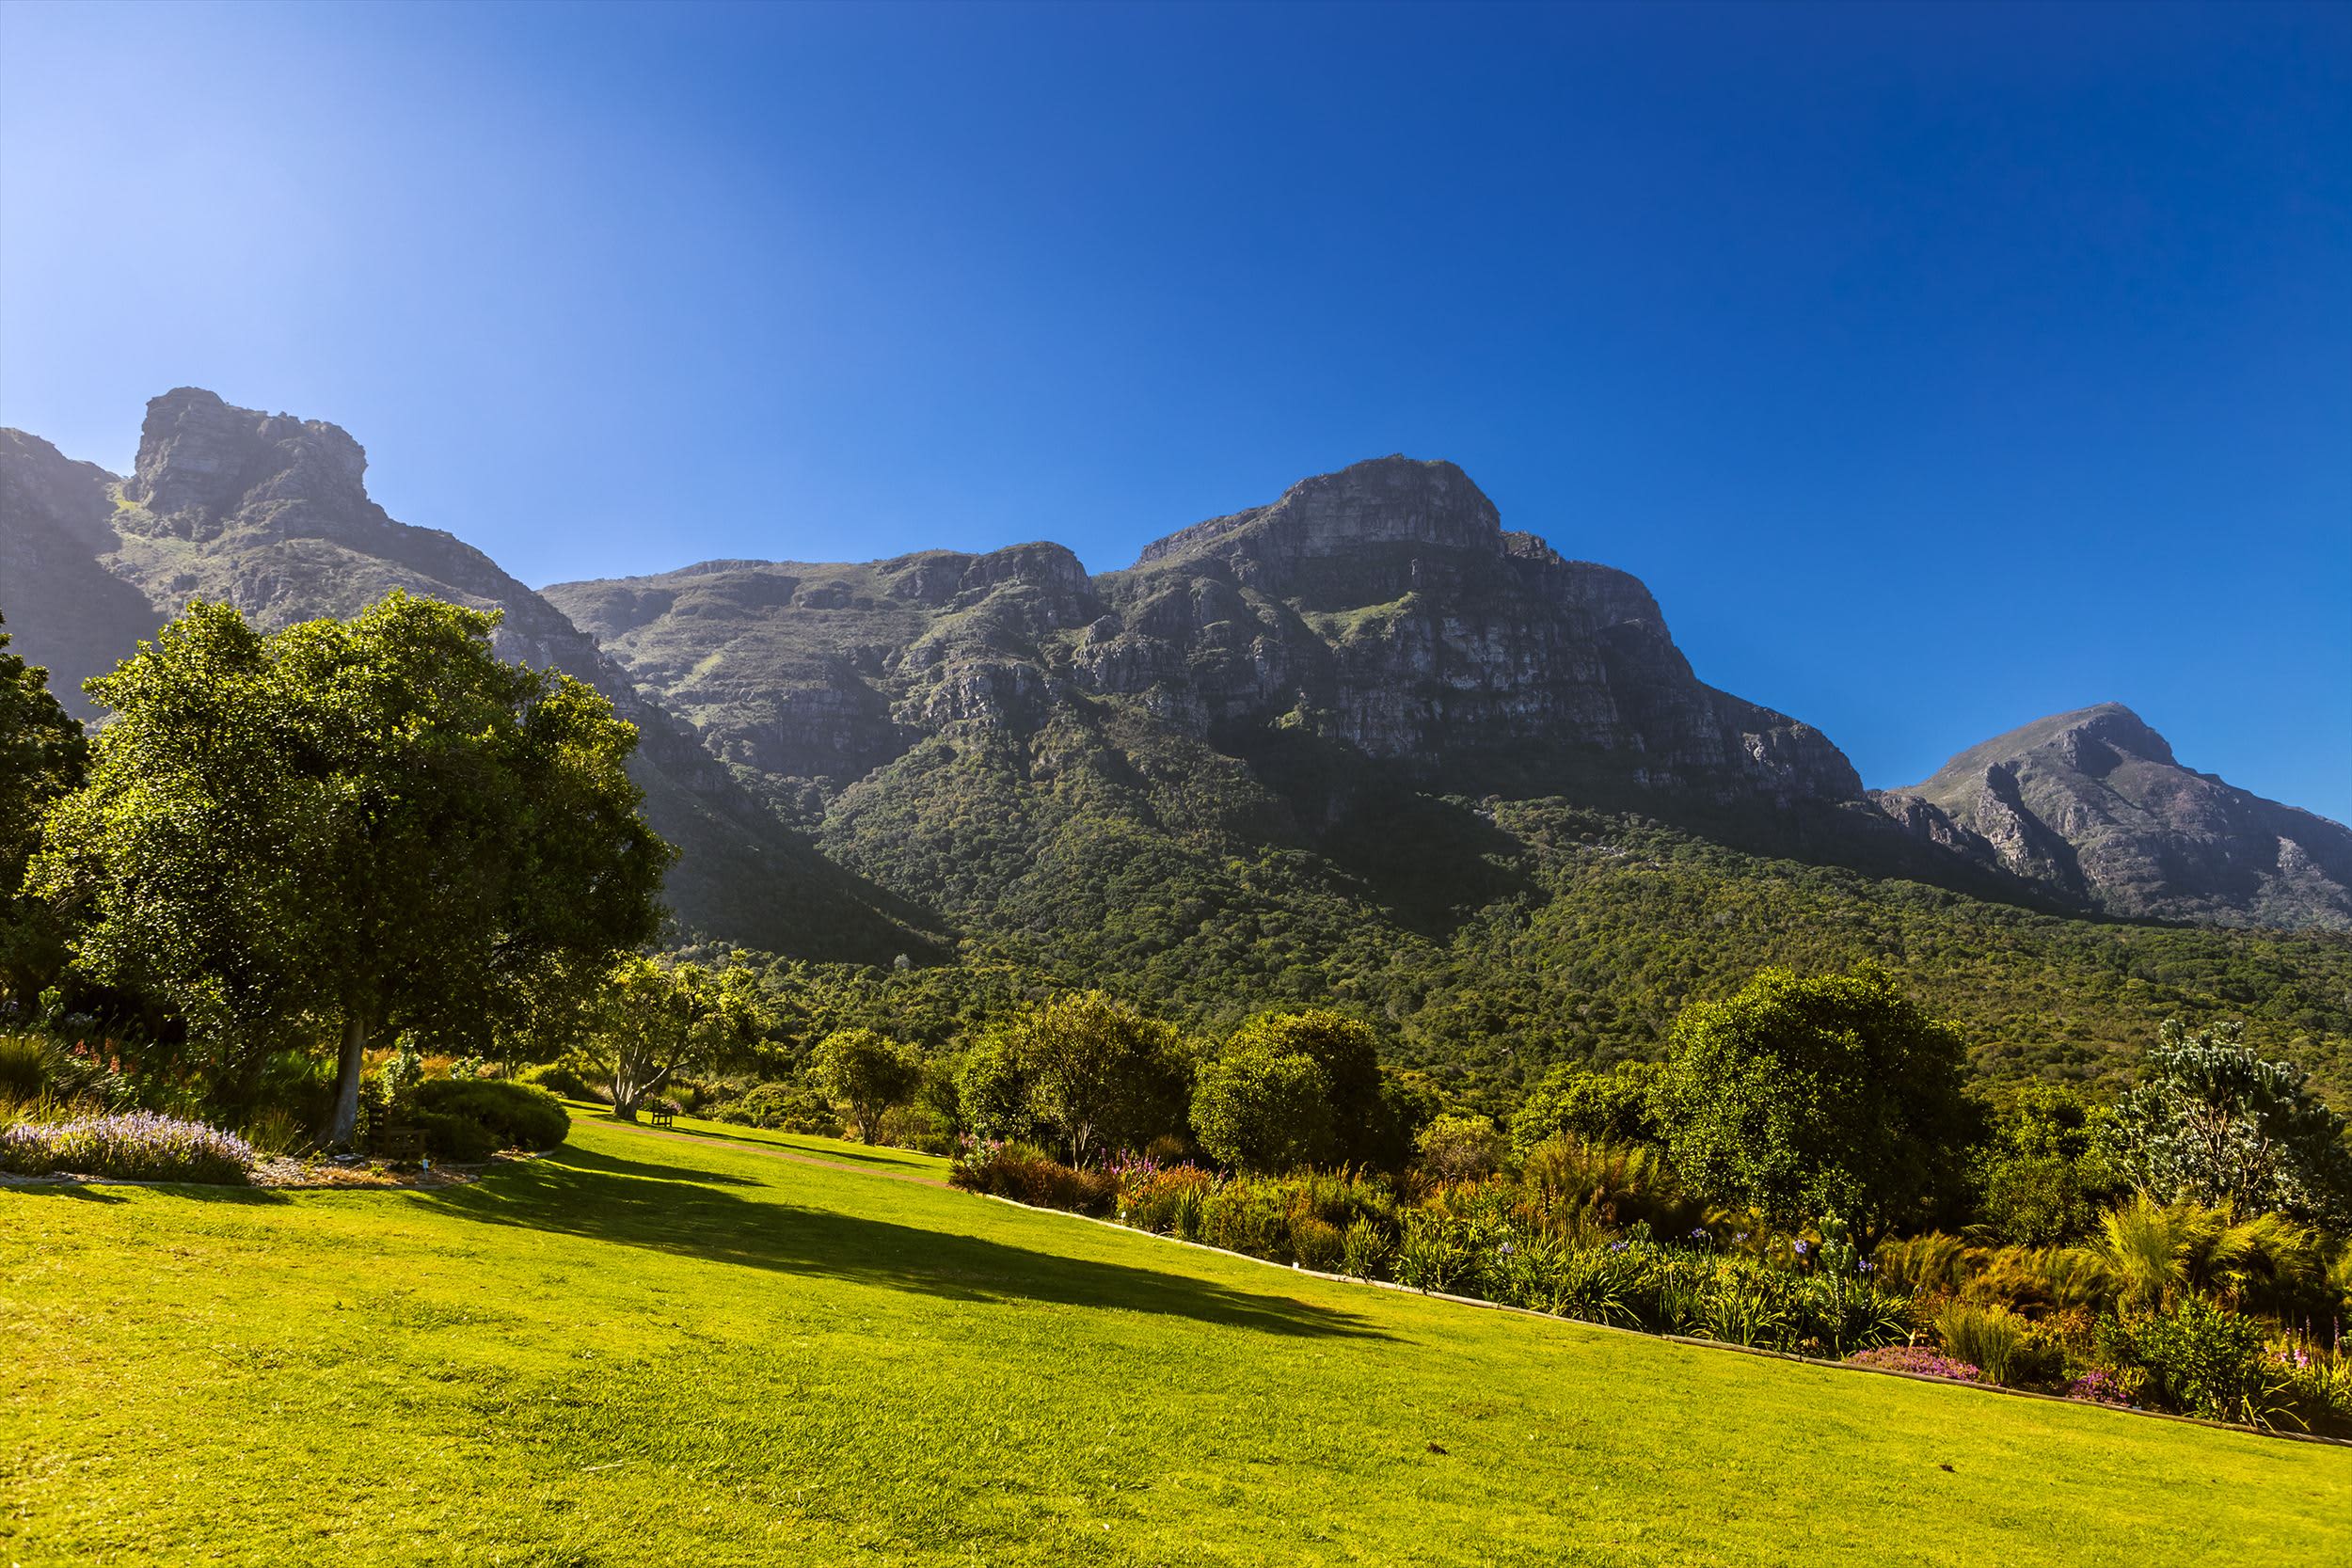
{"x":271,"y":514}
{"x":2093,"y":805}
{"x":1385,"y":607}
{"x":1382,"y":607}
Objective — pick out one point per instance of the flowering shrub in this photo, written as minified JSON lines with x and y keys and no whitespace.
{"x":1916,"y":1358}
{"x":138,"y":1146}
{"x":1026,"y":1174}
{"x":2100,"y":1386}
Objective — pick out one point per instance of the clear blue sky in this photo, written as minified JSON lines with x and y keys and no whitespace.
{"x":1938,"y":367}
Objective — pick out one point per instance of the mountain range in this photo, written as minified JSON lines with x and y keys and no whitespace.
{"x":1300,"y":739}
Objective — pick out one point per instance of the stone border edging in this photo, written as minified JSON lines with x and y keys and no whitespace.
{"x":1689,"y":1339}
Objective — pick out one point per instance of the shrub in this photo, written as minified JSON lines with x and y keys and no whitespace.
{"x":560,"y":1078}
{"x":136,"y":1145}
{"x":1317,"y":1243}
{"x":785,"y":1107}
{"x":1586,"y":1186}
{"x":1992,"y":1338}
{"x":1028,"y":1174}
{"x":1460,"y":1149}
{"x":1364,"y":1250}
{"x":1434,"y":1253}
{"x":2200,"y":1358}
{"x":24,"y":1066}
{"x":516,"y":1116}
{"x":1165,"y":1198}
{"x":450,"y":1136}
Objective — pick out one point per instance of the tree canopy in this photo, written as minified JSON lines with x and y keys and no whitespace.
{"x":650,"y":1021}
{"x":1805,"y":1098}
{"x":42,"y":758}
{"x":374,"y":823}
{"x":1092,"y":1073}
{"x":2216,"y":1124}
{"x":868,"y":1072}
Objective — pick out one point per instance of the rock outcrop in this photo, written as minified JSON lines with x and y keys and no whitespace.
{"x":2094,"y":806}
{"x":1383,"y":607}
{"x":271,"y":514}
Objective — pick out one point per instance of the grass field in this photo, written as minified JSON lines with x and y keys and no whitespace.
{"x":647,"y":1348}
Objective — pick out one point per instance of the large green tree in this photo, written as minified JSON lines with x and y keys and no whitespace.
{"x":43,"y":757}
{"x":1256,"y":1109}
{"x":652,"y":1019}
{"x":1804,"y":1097}
{"x":1092,"y":1073}
{"x":868,"y":1072}
{"x":2216,"y":1124}
{"x":353,"y":826}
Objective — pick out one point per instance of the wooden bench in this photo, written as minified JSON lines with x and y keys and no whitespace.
{"x":663,"y":1113}
{"x":400,"y":1145}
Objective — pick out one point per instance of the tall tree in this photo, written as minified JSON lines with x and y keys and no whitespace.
{"x":368,"y":824}
{"x":1091,"y":1073}
{"x":867,"y":1072}
{"x":43,"y":759}
{"x":653,"y":1021}
{"x":1805,"y":1098}
{"x":2214,"y":1123}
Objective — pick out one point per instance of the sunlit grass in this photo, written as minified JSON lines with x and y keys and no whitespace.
{"x":659,"y":1350}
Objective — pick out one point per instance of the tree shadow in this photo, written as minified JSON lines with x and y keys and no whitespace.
{"x":897,"y":1162}
{"x":113,"y":1191}
{"x":567,"y":1193}
{"x":644,"y":1170}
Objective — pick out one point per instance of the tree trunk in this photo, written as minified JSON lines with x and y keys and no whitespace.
{"x":348,"y":1068}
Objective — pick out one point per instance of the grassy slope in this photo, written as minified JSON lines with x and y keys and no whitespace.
{"x":647,"y":1349}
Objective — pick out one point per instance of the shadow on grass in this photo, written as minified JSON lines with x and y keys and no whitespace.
{"x":898,"y":1160}
{"x":646,"y":1170}
{"x":115,"y":1192}
{"x":580,"y":1194}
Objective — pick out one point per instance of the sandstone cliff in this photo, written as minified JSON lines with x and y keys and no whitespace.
{"x":271,"y":514}
{"x":2094,"y":805}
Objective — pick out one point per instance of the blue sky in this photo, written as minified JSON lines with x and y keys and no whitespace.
{"x":1938,"y":369}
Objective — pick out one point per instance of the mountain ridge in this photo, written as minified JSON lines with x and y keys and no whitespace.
{"x":1282,"y":676}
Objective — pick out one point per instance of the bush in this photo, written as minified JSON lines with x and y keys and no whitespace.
{"x":1586,"y":1186}
{"x":1364,"y":1250}
{"x":1028,"y":1174}
{"x":783,"y":1108}
{"x":449,"y":1136}
{"x":560,"y":1078}
{"x":1317,"y":1243}
{"x":1461,"y":1149}
{"x":1992,"y":1338}
{"x":516,"y":1115}
{"x":24,"y":1066}
{"x":2200,"y":1358}
{"x":136,"y":1146}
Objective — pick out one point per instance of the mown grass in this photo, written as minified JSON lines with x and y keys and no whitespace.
{"x":647,"y":1348}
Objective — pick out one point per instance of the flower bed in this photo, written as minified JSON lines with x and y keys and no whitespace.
{"x":1918,"y":1358}
{"x":136,"y":1145}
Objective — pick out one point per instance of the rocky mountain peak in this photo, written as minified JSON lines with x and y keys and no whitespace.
{"x":200,"y":459}
{"x":2093,"y":804}
{"x":1394,"y":500}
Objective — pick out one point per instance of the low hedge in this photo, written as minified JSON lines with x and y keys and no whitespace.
{"x":515,"y":1115}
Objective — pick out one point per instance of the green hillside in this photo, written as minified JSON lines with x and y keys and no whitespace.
{"x":647,"y":1348}
{"x":1491,"y":939}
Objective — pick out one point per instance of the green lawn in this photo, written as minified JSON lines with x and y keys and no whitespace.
{"x":648,"y":1349}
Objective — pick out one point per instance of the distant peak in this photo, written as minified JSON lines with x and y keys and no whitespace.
{"x":201,"y":453}
{"x":1392,"y":499}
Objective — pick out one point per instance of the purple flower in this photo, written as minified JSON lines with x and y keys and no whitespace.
{"x":1616,"y":1246}
{"x":1698,"y":1233}
{"x":1800,"y":1247}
